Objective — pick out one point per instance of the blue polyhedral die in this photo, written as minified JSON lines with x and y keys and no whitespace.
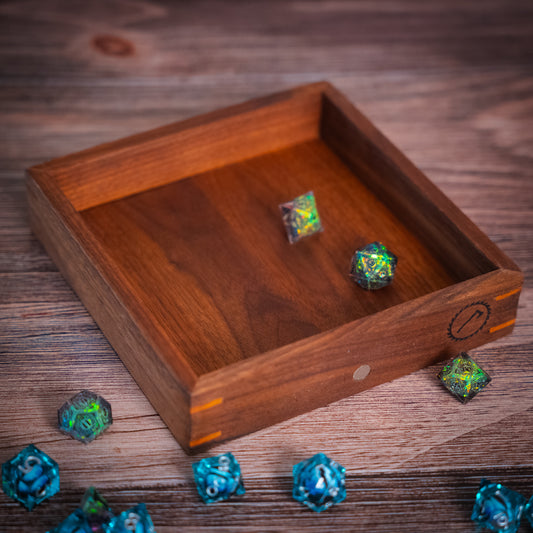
{"x":528,"y":511}
{"x":136,"y":520}
{"x":498,"y":508}
{"x":319,"y":482}
{"x":85,"y":416}
{"x":30,"y":477}
{"x":74,"y":523}
{"x":218,"y":478}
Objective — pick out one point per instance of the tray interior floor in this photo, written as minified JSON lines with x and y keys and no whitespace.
{"x":207,"y":257}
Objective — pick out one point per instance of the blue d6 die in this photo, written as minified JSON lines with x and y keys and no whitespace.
{"x":218,"y":478}
{"x":498,"y":508}
{"x":135,"y":520}
{"x":30,"y":477}
{"x":74,"y":523}
{"x":319,"y":482}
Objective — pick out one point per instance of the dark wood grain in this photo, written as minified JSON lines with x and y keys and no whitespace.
{"x":449,"y":82}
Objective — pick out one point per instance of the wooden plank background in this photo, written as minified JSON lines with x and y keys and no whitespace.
{"x":450,"y":82}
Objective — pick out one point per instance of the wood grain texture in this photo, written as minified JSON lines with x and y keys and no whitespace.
{"x":246,"y":329}
{"x":449,"y":82}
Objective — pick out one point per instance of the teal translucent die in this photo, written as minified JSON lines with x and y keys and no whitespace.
{"x":319,"y":482}
{"x":85,"y":416}
{"x":300,"y":217}
{"x":135,"y":520}
{"x":30,"y":477}
{"x":463,"y":377}
{"x":218,"y":478}
{"x":373,"y":266}
{"x":96,"y":510}
{"x":74,"y":523}
{"x":528,"y":511}
{"x":498,"y":508}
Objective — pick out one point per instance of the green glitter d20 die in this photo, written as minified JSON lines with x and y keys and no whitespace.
{"x":463,"y":377}
{"x":373,"y":266}
{"x":85,"y":416}
{"x":300,"y":217}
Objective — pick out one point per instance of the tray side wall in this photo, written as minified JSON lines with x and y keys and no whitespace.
{"x":167,"y":396}
{"x":319,"y":370}
{"x":155,"y":158}
{"x":426,"y":211}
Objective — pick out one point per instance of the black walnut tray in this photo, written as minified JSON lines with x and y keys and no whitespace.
{"x":174,"y":242}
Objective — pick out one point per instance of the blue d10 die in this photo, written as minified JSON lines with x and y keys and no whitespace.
{"x":218,"y":478}
{"x":528,"y":511}
{"x":30,"y":477}
{"x":319,"y":482}
{"x":74,"y":523}
{"x":85,"y":416}
{"x":135,"y":520}
{"x":498,"y":508}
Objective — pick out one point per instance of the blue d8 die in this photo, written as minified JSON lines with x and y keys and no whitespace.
{"x":218,"y":478}
{"x":30,"y":477}
{"x":498,"y":508}
{"x":136,"y":520}
{"x":319,"y":482}
{"x":74,"y":523}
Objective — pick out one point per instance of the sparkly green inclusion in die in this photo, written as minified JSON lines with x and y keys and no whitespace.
{"x":300,"y":217}
{"x":463,"y":377}
{"x":373,"y":266}
{"x":96,"y":510}
{"x":85,"y":416}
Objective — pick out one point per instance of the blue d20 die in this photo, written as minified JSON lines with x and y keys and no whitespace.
{"x":218,"y":478}
{"x":319,"y":482}
{"x":136,"y":520}
{"x":30,"y":477}
{"x":498,"y":508}
{"x":74,"y":523}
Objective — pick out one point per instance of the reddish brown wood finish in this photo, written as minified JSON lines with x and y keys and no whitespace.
{"x":173,"y":240}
